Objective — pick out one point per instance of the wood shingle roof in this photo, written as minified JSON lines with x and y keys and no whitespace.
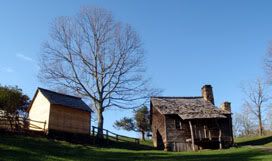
{"x":187,"y":107}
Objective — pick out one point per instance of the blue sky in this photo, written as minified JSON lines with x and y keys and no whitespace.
{"x":187,"y":43}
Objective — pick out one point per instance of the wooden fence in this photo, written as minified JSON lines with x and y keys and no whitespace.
{"x":20,"y":124}
{"x":16,"y":123}
{"x":111,"y":136}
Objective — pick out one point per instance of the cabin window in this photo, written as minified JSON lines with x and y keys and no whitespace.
{"x":178,"y":124}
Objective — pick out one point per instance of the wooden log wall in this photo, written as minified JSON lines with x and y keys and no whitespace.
{"x":178,"y":137}
{"x":158,"y":125}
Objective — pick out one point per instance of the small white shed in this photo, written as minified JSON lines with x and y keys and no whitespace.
{"x":59,"y":112}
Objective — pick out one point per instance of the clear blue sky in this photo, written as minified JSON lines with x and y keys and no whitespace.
{"x":188,"y":43}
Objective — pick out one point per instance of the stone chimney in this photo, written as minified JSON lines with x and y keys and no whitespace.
{"x":226,"y":106}
{"x":207,"y":93}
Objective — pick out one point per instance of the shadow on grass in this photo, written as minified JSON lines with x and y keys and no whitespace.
{"x":38,"y":149}
{"x":126,"y":145}
{"x":261,"y":141}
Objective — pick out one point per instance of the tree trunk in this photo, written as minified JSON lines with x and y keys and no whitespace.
{"x":260,"y":124}
{"x":100,"y":123}
{"x":143,"y":135}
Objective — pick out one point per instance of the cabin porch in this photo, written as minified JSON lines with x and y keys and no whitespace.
{"x":197,"y":134}
{"x":211,"y":133}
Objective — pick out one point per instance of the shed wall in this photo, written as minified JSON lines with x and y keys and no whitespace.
{"x":39,"y":111}
{"x":69,"y":120}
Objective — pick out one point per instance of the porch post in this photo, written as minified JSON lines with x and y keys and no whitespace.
{"x":210,"y":135}
{"x":220,"y":139}
{"x":205,"y":132}
{"x":192,"y":135}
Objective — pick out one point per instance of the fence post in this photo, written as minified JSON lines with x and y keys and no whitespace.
{"x":93,"y":130}
{"x":44,"y":126}
{"x":114,"y":136}
{"x":107,"y":136}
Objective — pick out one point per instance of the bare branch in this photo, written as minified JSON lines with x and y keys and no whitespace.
{"x":98,"y":58}
{"x":256,"y":99}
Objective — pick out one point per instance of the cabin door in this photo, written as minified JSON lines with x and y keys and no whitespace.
{"x":160,"y":144}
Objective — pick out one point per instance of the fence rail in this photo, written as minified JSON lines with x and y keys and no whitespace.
{"x":16,"y":123}
{"x":108,"y":135}
{"x":20,"y":124}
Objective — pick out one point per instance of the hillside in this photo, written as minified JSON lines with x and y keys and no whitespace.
{"x":17,"y":148}
{"x":255,"y":141}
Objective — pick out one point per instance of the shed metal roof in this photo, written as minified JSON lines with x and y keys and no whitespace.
{"x":64,"y":100}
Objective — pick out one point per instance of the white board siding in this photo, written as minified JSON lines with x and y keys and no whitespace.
{"x":39,"y":111}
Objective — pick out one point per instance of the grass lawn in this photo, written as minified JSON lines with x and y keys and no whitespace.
{"x":20,"y":148}
{"x":269,"y":144}
{"x":255,"y":140}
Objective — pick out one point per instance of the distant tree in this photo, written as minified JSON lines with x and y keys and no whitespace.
{"x":236,"y":124}
{"x":268,"y":64}
{"x":126,"y":123}
{"x":139,"y":123}
{"x":12,"y":101}
{"x":256,"y":100}
{"x":243,"y":124}
{"x":98,"y":58}
{"x":268,"y":71}
{"x":269,"y":118}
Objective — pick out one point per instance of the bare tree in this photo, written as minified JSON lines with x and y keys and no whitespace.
{"x":268,"y":64}
{"x":243,"y":124}
{"x":98,"y":58}
{"x":268,"y":71}
{"x":256,"y":99}
{"x":269,"y":118}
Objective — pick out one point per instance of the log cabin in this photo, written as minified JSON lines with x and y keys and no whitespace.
{"x":59,"y":113}
{"x":190,"y":123}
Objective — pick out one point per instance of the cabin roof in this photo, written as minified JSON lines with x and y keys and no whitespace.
{"x":187,"y":107}
{"x":63,"y":100}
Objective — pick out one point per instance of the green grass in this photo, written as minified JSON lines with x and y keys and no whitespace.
{"x":19,"y":148}
{"x":269,"y":144}
{"x":147,"y":142}
{"x":254,"y":140}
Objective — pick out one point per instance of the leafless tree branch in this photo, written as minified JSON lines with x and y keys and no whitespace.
{"x":256,"y":99}
{"x":98,"y":58}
